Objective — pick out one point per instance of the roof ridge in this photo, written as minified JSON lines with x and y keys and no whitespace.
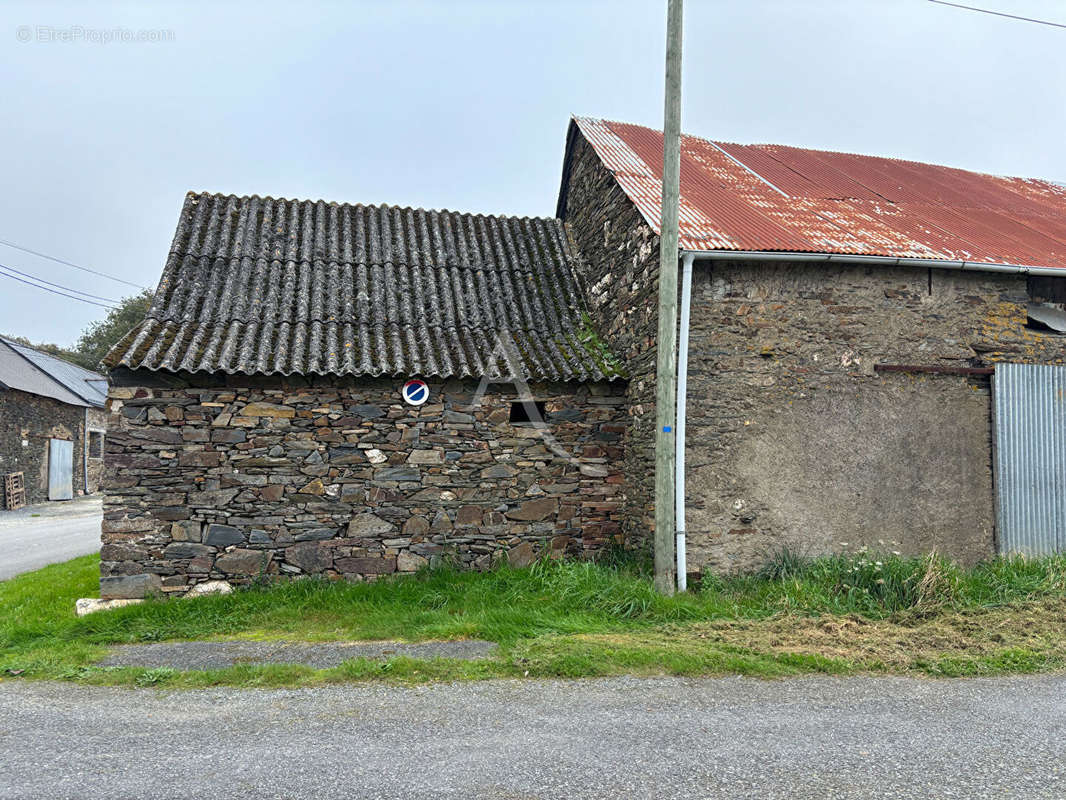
{"x":761,"y":145}
{"x":522,"y":268}
{"x":833,"y":202}
{"x":381,"y":206}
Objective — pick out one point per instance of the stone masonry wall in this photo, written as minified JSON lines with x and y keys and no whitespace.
{"x":621,"y":277}
{"x":348,"y":482}
{"x":33,"y":419}
{"x":794,"y":440}
{"x":97,"y":422}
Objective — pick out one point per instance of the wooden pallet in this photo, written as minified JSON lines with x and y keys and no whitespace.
{"x":14,"y":491}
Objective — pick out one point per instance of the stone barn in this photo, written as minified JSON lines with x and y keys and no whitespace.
{"x":874,"y":359}
{"x":52,"y":424}
{"x":853,"y":322}
{"x":260,"y":424}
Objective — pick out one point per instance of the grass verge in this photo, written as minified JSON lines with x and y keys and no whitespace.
{"x":841,"y":615}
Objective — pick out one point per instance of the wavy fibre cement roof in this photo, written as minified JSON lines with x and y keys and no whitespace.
{"x":263,"y":286}
{"x":776,"y":198}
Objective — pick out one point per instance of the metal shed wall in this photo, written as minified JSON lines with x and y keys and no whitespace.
{"x":1029,"y":418}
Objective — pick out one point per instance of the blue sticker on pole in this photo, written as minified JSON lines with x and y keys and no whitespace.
{"x":666,"y":428}
{"x":415,"y":392}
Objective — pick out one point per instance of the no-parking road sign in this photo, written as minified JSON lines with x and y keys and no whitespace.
{"x":415,"y":392}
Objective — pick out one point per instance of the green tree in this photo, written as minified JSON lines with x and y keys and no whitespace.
{"x":101,"y":336}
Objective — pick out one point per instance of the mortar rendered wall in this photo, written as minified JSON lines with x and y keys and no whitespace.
{"x":797,"y":442}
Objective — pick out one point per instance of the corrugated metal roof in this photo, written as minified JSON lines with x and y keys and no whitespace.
{"x":32,"y":371}
{"x":731,"y":199}
{"x":263,"y":286}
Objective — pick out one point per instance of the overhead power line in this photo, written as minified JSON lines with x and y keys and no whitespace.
{"x":70,"y":264}
{"x":1000,"y":14}
{"x":61,"y":286}
{"x":5,"y":274}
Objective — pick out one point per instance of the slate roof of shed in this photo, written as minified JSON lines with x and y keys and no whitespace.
{"x":271,"y":286}
{"x":36,"y":372}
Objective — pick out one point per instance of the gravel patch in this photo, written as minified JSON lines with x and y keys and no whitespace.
{"x":321,"y":655}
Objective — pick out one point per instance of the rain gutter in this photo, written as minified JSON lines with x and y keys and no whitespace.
{"x":688,"y":256}
{"x":880,"y":261}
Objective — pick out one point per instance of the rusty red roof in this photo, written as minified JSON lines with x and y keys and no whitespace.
{"x":777,"y":198}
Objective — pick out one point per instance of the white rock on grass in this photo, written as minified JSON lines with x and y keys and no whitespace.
{"x":89,"y":605}
{"x":210,"y":587}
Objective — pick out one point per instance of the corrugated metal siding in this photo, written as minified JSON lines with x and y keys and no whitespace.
{"x":1029,"y":406}
{"x":835,"y":202}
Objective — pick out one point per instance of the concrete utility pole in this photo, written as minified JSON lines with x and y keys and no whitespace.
{"x":666,"y":365}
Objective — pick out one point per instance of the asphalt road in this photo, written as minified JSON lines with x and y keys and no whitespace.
{"x":59,"y":532}
{"x":619,"y":738}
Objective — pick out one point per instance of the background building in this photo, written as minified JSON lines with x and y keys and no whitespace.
{"x":52,"y":423}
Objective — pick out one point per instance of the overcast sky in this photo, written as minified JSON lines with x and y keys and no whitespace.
{"x":462,"y":105}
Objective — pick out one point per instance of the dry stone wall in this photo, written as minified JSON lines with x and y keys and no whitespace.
{"x":348,"y":482}
{"x":620,"y":254}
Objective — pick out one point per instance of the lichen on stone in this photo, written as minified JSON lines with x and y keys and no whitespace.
{"x":608,"y":364}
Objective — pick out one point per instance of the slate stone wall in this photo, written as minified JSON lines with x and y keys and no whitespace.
{"x":33,"y":419}
{"x":349,"y":482}
{"x":621,"y":277}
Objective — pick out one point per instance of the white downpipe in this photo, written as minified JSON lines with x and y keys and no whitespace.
{"x":679,"y":429}
{"x":85,"y":453}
